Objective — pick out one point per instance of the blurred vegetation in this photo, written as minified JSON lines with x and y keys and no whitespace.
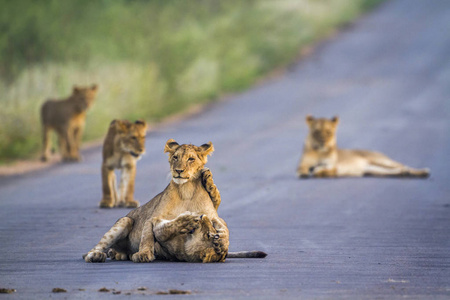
{"x":150,"y":58}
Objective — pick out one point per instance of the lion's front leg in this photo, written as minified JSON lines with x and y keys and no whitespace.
{"x":211,"y":188}
{"x":126,"y":187}
{"x":119,"y":231}
{"x":324,"y":171}
{"x":77,"y":135}
{"x":109,"y":197}
{"x":306,"y":165}
{"x":146,"y":251}
{"x":166,"y":229}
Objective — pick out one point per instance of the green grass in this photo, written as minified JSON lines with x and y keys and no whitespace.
{"x":150,"y":58}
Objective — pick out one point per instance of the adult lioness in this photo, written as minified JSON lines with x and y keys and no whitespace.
{"x":67,"y":118}
{"x":123,"y":146}
{"x":137,"y":234}
{"x":322,"y":158}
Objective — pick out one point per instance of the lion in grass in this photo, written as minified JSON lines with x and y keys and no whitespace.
{"x":67,"y":118}
{"x":123,"y":146}
{"x":181,"y":223}
{"x":322,"y":158}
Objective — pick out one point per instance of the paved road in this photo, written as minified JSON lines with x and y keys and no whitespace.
{"x":388,"y":78}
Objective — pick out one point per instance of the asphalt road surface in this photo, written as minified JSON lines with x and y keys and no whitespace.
{"x":387,"y":77}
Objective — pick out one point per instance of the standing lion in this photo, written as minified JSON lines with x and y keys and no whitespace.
{"x":67,"y":118}
{"x":123,"y":146}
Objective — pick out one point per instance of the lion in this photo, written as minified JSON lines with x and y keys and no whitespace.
{"x":67,"y":118}
{"x":123,"y":146}
{"x":322,"y":158}
{"x":181,"y":223}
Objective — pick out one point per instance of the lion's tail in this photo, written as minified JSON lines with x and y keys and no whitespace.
{"x":247,"y":254}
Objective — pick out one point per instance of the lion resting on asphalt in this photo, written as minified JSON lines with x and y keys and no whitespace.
{"x":123,"y":146}
{"x":181,"y":223}
{"x":322,"y":158}
{"x":67,"y":118}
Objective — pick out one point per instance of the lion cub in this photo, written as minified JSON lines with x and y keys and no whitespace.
{"x":67,"y":118}
{"x":123,"y":146}
{"x":165,"y":227}
{"x":322,"y":158}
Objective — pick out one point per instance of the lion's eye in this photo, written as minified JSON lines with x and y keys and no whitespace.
{"x":134,"y":138}
{"x":175,"y":158}
{"x":191,"y":159}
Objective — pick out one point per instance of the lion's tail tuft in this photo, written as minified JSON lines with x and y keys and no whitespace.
{"x":247,"y":254}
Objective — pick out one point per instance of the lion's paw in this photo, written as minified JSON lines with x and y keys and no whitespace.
{"x":95,"y":257}
{"x":143,"y":257}
{"x":220,"y":242}
{"x":106,"y":203}
{"x":188,"y":222}
{"x":206,"y":176}
{"x":114,"y":255}
{"x":131,"y":204}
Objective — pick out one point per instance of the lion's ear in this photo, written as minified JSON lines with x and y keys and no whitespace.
{"x":206,"y":149}
{"x":142,"y":124}
{"x":94,"y":87}
{"x":171,"y":146}
{"x":121,"y":125}
{"x":335,"y":120}
{"x":75,"y":89}
{"x":309,"y":119}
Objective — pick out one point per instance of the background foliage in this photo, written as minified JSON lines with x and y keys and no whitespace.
{"x":150,"y":58}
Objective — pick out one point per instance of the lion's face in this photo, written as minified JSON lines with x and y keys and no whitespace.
{"x":186,"y":161}
{"x":322,"y":132}
{"x":87,"y":94}
{"x":131,"y":136}
{"x":204,"y":243}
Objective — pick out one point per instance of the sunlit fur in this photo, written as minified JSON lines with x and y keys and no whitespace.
{"x":174,"y":223}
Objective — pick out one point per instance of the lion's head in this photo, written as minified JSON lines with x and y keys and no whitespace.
{"x":322,"y":132}
{"x":204,"y":243}
{"x":130,"y":137}
{"x":87,"y":95}
{"x":186,"y":161}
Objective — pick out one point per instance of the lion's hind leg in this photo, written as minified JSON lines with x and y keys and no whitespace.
{"x":211,"y":188}
{"x":119,"y":231}
{"x":45,"y":143}
{"x":184,"y":223}
{"x":381,"y":165}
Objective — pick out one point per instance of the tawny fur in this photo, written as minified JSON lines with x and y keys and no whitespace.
{"x":123,"y":146}
{"x":67,"y":118}
{"x":322,"y":158}
{"x":167,"y":227}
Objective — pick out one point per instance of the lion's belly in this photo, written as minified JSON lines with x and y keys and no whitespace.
{"x":350,"y":163}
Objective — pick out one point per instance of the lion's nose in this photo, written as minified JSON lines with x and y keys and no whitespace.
{"x":179,"y":171}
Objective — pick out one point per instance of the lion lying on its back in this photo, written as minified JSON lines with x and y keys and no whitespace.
{"x":181,"y":223}
{"x":322,"y":158}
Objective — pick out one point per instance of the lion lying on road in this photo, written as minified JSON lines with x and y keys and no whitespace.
{"x":123,"y":146}
{"x":322,"y":158}
{"x":67,"y":118}
{"x":181,"y":223}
